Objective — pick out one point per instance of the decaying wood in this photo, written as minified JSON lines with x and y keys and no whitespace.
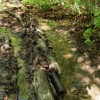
{"x":42,"y":85}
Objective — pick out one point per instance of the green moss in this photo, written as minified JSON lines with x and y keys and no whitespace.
{"x":15,"y":41}
{"x":22,"y":83}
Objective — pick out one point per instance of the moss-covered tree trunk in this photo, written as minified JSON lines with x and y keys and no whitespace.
{"x":42,"y":86}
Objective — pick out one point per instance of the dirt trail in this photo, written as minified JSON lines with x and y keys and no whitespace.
{"x":80,"y":74}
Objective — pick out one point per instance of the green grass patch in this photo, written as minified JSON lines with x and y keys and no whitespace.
{"x":61,"y":47}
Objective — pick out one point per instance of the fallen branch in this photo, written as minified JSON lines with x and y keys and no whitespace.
{"x":42,"y":86}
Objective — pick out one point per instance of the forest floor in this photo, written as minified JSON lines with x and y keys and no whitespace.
{"x":80,"y":65}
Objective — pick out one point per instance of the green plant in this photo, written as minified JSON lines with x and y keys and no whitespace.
{"x":96,"y":23}
{"x":87,"y":34}
{"x":43,"y":5}
{"x":96,"y":19}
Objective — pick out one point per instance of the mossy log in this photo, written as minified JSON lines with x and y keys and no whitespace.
{"x":53,"y":64}
{"x":42,"y":85}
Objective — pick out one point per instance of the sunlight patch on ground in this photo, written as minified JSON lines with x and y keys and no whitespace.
{"x":60,"y":31}
{"x":87,"y":62}
{"x":80,"y":59}
{"x":44,"y":26}
{"x":94,"y":92}
{"x":87,"y":76}
{"x":67,"y":56}
{"x":86,"y":80}
{"x":98,"y":66}
{"x":73,"y":49}
{"x":96,"y":81}
{"x":88,"y":68}
{"x":70,"y":41}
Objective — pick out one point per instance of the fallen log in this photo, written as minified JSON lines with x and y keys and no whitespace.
{"x":42,"y":86}
{"x":42,"y":44}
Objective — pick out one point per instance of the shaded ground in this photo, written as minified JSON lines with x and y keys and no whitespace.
{"x":80,"y":65}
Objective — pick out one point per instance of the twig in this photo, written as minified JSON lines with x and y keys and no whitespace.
{"x":13,"y":15}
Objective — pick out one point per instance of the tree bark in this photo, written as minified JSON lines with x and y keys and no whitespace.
{"x":42,"y":86}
